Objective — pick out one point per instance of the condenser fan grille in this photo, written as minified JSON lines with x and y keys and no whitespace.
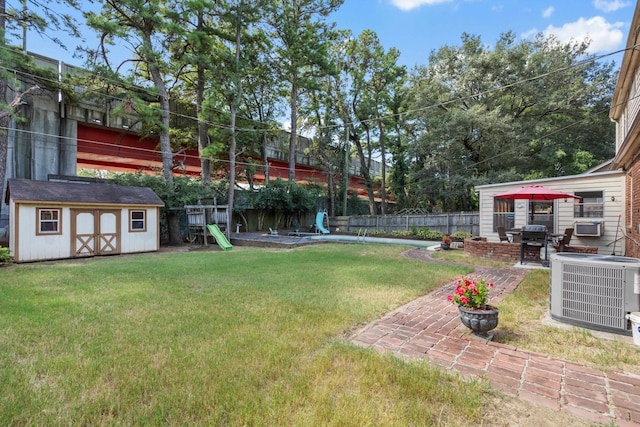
{"x":594,"y":295}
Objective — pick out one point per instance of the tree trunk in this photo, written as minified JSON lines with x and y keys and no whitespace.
{"x":174,"y":228}
{"x":203,"y":138}
{"x":331,"y":184}
{"x":233,"y":111}
{"x":165,"y":140}
{"x":264,"y":157}
{"x":383,"y":170}
{"x":293,"y":104}
{"x":4,"y":138}
{"x":4,"y":119}
{"x":173,"y":220}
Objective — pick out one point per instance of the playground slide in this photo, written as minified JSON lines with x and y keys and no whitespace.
{"x":221,"y":239}
{"x":320,"y":222}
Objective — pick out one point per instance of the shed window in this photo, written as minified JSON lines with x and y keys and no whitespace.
{"x":137,"y":221}
{"x":503,"y":214}
{"x":589,"y":205}
{"x":49,"y":221}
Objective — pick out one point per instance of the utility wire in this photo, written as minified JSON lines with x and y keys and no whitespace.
{"x":407,"y":112}
{"x":431,"y":106}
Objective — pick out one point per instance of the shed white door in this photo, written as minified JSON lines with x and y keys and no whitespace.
{"x":95,"y":232}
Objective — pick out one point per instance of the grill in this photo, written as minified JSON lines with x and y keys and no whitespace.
{"x":533,"y":237}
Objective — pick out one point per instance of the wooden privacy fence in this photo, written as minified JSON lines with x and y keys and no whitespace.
{"x":447,"y":223}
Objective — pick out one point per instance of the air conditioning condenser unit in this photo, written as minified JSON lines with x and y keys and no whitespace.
{"x":594,"y":291}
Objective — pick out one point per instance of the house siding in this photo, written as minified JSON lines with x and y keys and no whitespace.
{"x":34,"y":247}
{"x":146,"y":241}
{"x":610,"y":183}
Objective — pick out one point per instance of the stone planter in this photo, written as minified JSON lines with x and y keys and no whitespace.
{"x":478,"y":320}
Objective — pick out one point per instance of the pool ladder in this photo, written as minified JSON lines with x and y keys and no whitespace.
{"x":364,"y":235}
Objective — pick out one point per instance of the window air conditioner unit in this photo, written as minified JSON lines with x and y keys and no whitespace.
{"x":594,"y":228}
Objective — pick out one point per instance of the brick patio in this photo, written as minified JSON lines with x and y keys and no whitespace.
{"x":429,"y":327}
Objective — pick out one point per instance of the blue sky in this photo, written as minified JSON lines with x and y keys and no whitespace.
{"x":416,"y":27}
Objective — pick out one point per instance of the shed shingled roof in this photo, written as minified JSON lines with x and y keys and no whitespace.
{"x":26,"y":190}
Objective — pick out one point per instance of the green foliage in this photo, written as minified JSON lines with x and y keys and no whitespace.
{"x":471,"y":292}
{"x":5,"y":256}
{"x":426,"y":234}
{"x":461,"y":235}
{"x":499,"y":126}
{"x":402,"y":233}
{"x":286,"y":198}
{"x":187,"y":190}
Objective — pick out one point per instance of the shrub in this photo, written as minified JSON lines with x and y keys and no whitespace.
{"x":402,"y":233}
{"x":461,"y":235}
{"x":5,"y":256}
{"x":426,"y":234}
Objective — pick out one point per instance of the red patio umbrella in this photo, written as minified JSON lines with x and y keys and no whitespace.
{"x":535,"y":192}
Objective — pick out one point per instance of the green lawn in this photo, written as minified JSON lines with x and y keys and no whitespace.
{"x":247,"y":337}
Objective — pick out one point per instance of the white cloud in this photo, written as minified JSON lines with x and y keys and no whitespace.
{"x":604,"y":36}
{"x":548,"y":12}
{"x":412,"y":4}
{"x":610,"y":5}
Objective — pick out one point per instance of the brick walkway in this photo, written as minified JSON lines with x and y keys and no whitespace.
{"x":429,"y":327}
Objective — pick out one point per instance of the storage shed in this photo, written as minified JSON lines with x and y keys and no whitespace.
{"x":596,"y":216}
{"x":56,"y":220}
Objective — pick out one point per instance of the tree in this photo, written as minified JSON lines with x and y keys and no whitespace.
{"x":238,"y":43}
{"x":386,"y":76}
{"x":301,"y":43}
{"x":193,"y":50}
{"x":148,"y":28}
{"x":374,"y":73}
{"x":321,"y":113}
{"x":504,"y":114}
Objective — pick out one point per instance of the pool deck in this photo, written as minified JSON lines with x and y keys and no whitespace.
{"x":271,"y":240}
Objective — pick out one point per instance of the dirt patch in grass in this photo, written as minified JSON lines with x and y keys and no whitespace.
{"x":506,"y":411}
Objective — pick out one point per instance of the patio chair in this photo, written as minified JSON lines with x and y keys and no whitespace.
{"x":502,"y":234}
{"x":273,"y":232}
{"x":564,"y":242}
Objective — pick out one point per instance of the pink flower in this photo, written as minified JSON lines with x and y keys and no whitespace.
{"x":470,"y":292}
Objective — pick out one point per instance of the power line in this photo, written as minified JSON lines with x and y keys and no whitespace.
{"x":353,"y":123}
{"x":431,"y":106}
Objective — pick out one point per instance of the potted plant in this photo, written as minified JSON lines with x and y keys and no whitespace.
{"x":476,"y":313}
{"x":446,"y":242}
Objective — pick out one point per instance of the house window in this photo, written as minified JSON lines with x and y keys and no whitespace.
{"x":589,"y":205}
{"x":503,"y":214}
{"x":48,"y":221}
{"x":137,"y":221}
